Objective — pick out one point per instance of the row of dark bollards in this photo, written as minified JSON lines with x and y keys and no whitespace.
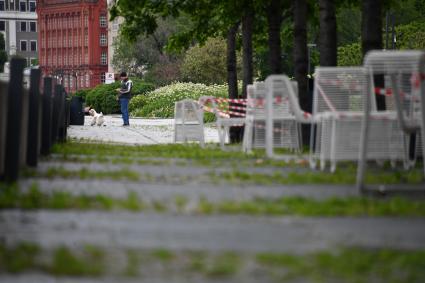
{"x":31,"y":121}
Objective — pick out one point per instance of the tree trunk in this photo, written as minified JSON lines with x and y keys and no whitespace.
{"x":301,"y":58}
{"x":372,"y":37}
{"x":328,"y":33}
{"x":247,"y":30}
{"x":232,"y":77}
{"x":274,"y":18}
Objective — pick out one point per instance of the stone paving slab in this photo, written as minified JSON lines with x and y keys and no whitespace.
{"x":140,"y":131}
{"x":209,"y":233}
{"x":42,"y":278}
{"x":192,"y":192}
{"x":165,"y":170}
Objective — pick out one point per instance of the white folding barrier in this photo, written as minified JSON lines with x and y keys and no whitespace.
{"x":188,"y":122}
{"x":338,"y":108}
{"x":254,"y":133}
{"x":282,"y":129}
{"x":404,"y":80}
{"x":223,"y":116}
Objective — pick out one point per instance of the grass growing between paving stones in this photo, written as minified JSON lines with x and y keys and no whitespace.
{"x":347,"y":265}
{"x":342,"y":265}
{"x":184,"y":154}
{"x":89,"y":263}
{"x":341,"y":176}
{"x":179,"y":155}
{"x":352,"y":206}
{"x":85,"y":174}
{"x":33,"y":198}
{"x":12,"y":197}
{"x":63,"y":262}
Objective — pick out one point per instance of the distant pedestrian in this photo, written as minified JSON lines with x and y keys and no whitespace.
{"x":124,"y":97}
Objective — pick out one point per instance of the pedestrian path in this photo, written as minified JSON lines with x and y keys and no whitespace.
{"x":109,"y":217}
{"x":209,"y":233}
{"x":141,"y":131}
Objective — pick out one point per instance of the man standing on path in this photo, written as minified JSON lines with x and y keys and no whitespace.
{"x":124,"y":97}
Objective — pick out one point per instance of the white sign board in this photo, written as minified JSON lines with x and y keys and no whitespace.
{"x":109,"y":78}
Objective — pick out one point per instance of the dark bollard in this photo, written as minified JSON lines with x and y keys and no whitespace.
{"x":62,"y":115}
{"x":56,"y":113}
{"x":14,"y":120}
{"x":67,"y":113}
{"x":76,"y":111}
{"x":33,"y":119}
{"x":46,"y":128}
{"x":3,"y":126}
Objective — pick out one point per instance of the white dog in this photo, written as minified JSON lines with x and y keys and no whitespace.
{"x":98,"y":118}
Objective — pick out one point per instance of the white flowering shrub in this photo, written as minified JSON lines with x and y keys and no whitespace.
{"x":160,"y":102}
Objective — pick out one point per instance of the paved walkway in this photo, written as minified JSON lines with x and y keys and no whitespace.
{"x":140,"y":131}
{"x":210,"y":233}
{"x":179,"y":230}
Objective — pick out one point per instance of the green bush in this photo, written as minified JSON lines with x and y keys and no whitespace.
{"x":411,"y":36}
{"x":160,"y":102}
{"x":350,"y":55}
{"x":103,"y":97}
{"x":141,"y":87}
{"x":82,"y":93}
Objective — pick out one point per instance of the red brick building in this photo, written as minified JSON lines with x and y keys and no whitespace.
{"x":72,"y":38}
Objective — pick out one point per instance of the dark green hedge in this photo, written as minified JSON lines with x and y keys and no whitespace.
{"x":103,"y":97}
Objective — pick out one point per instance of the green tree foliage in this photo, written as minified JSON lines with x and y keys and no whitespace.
{"x":3,"y":54}
{"x":348,"y":25}
{"x":411,"y":36}
{"x":146,"y":56}
{"x":350,"y":55}
{"x":206,"y":64}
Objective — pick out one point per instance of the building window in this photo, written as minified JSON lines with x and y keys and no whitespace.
{"x":2,"y":6}
{"x":86,"y":38}
{"x":23,"y":26}
{"x":103,"y":58}
{"x":103,"y":39}
{"x":32,"y":6}
{"x":102,"y":77}
{"x":87,"y":80}
{"x":22,"y":6}
{"x":86,"y":20}
{"x":2,"y":26}
{"x":33,"y":26}
{"x":23,"y":45}
{"x":33,"y":45}
{"x":103,"y":21}
{"x":115,"y":25}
